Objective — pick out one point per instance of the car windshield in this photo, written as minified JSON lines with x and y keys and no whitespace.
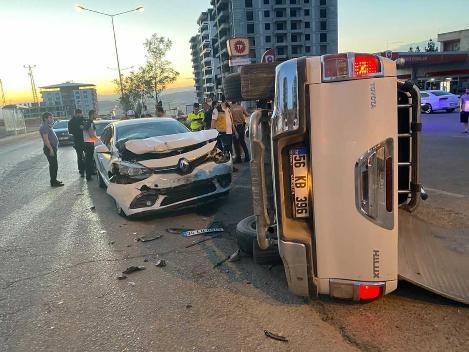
{"x":100,"y":127}
{"x":149,"y":129}
{"x":439,"y":93}
{"x":60,"y":124}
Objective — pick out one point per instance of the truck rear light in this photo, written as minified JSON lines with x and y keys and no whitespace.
{"x":342,"y":67}
{"x":367,"y":292}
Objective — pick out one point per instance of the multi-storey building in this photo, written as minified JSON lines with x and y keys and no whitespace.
{"x":71,"y":96}
{"x":293,"y":27}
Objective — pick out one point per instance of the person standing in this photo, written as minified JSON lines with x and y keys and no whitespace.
{"x":196,"y":118}
{"x":223,"y":122}
{"x":464,"y":108}
{"x":239,"y":121}
{"x":75,"y":128}
{"x":51,"y":143}
{"x":89,"y":138}
{"x":208,"y":110}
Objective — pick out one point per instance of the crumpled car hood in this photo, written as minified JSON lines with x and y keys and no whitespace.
{"x":169,"y":142}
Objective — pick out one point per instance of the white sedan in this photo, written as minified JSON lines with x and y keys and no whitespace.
{"x":433,"y":100}
{"x":154,"y":164}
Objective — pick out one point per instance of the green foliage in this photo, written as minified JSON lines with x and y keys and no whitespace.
{"x":431,"y":46}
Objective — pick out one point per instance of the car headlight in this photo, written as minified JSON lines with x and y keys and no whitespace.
{"x":132,"y":170}
{"x":285,"y":117}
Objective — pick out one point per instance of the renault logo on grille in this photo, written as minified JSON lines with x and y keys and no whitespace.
{"x":184,"y":165}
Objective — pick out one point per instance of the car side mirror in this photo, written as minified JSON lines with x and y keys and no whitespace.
{"x":102,"y":148}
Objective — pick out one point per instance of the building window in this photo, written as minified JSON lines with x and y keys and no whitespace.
{"x":281,"y":51}
{"x":249,"y":16}
{"x":278,"y":2}
{"x":306,"y":1}
{"x":293,"y":13}
{"x":250,"y":28}
{"x":266,"y":14}
{"x":323,"y":13}
{"x":248,"y":3}
{"x":267,"y":26}
{"x":294,"y":50}
{"x":323,"y":37}
{"x":307,"y":49}
{"x":252,"y":41}
{"x":280,"y":39}
{"x":279,"y":13}
{"x":279,"y":26}
{"x":268,"y":39}
{"x":252,"y":53}
{"x":294,"y":25}
{"x":266,"y":2}
{"x":323,"y":25}
{"x":306,"y":12}
{"x":294,"y":38}
{"x":307,"y":25}
{"x":307,"y":37}
{"x":323,"y":49}
{"x":293,"y":2}
{"x":322,"y":3}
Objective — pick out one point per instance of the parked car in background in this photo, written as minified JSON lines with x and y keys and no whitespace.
{"x":61,"y":130}
{"x":155,"y":164}
{"x":434,"y":100}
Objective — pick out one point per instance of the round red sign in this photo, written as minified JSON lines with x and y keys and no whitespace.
{"x":240,"y":47}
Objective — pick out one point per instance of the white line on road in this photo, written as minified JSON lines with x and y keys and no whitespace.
{"x":439,"y":191}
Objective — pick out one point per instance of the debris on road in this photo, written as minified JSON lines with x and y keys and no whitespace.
{"x":102,"y":231}
{"x":145,"y":260}
{"x":221,"y":262}
{"x":202,"y":231}
{"x":160,"y":263}
{"x":203,"y":240}
{"x":132,"y":269}
{"x":177,"y":230}
{"x":111,"y":242}
{"x":93,"y":208}
{"x":79,"y":194}
{"x":235,"y":257}
{"x":275,"y":336}
{"x":131,"y":283}
{"x":121,"y":277}
{"x":188,"y":306}
{"x":148,"y":239}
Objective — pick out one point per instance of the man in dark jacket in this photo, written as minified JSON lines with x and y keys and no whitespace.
{"x":75,"y":127}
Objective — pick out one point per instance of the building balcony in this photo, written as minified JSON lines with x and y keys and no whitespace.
{"x":204,"y":43}
{"x":223,"y":15}
{"x":224,"y":26}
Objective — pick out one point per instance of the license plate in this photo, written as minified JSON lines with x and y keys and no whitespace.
{"x":63,"y":138}
{"x":299,"y":182}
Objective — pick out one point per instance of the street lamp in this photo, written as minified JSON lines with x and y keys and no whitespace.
{"x":81,"y":8}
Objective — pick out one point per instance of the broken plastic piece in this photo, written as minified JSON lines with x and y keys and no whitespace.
{"x":131,"y":283}
{"x":177,"y":230}
{"x":121,"y":277}
{"x":275,"y":336}
{"x":236,"y":256}
{"x":148,"y":239}
{"x":132,"y":269}
{"x":93,"y":208}
{"x":160,"y":263}
{"x":201,"y":241}
{"x":201,"y":232}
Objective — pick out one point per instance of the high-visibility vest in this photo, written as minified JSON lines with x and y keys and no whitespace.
{"x":196,"y":120}
{"x":220,"y":124}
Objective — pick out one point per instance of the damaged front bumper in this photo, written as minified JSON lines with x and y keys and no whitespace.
{"x":165,"y":191}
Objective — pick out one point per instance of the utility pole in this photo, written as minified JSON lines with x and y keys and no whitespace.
{"x":33,"y":85}
{"x":2,"y":93}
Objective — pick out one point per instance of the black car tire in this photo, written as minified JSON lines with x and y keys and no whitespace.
{"x":428,"y":109}
{"x":246,"y":238}
{"x":450,"y":110}
{"x":232,"y":87}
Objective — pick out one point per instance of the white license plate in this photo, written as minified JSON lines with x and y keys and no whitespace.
{"x":299,"y":182}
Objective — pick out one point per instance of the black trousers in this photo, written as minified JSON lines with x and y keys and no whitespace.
{"x":80,"y":149}
{"x":239,"y":142}
{"x":226,"y":142}
{"x":53,"y":165}
{"x":89,"y":150}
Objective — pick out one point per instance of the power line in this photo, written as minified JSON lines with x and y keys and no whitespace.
{"x":33,"y":85}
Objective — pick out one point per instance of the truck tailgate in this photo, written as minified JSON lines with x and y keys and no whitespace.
{"x":434,"y":258}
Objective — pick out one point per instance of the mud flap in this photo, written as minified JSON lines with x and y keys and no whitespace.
{"x":434,"y":257}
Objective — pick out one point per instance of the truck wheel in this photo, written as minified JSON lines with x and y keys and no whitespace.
{"x":258,"y":81}
{"x":232,"y":87}
{"x":247,"y":241}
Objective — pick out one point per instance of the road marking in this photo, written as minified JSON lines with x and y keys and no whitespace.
{"x":439,"y":191}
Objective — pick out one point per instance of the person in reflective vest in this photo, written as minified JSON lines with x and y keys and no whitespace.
{"x":196,"y":118}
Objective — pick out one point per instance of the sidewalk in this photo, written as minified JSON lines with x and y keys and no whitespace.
{"x":31,"y":132}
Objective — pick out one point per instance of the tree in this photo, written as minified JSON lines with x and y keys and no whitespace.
{"x":411,"y":49}
{"x":431,"y":46}
{"x":417,"y":49}
{"x":158,"y":68}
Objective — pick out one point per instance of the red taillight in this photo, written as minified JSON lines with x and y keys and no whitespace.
{"x":340,"y":67}
{"x":365,"y":65}
{"x":366,"y":292}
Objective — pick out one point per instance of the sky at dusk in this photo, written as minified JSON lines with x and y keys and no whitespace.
{"x":67,"y":45}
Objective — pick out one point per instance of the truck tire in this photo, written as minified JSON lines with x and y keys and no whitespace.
{"x":258,"y":81}
{"x":247,"y":241}
{"x":232,"y":87}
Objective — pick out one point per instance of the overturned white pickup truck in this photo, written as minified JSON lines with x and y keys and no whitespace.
{"x":155,"y":164}
{"x":335,"y":179}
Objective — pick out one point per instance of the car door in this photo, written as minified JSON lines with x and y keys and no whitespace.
{"x":103,"y":160}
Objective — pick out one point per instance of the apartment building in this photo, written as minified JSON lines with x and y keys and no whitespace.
{"x":294,"y":28}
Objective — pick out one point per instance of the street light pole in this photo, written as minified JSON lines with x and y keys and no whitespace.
{"x":139,"y":9}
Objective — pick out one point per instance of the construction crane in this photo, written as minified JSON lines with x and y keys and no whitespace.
{"x":2,"y":93}
{"x":33,"y":85}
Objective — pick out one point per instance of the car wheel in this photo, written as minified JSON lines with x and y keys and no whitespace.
{"x":427,"y":109}
{"x":101,"y":182}
{"x":450,"y":110}
{"x":119,"y":209}
{"x":247,"y":241}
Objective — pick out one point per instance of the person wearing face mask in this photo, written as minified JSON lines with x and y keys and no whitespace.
{"x":51,"y":143}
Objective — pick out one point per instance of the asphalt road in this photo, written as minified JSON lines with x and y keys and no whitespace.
{"x":60,"y":260}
